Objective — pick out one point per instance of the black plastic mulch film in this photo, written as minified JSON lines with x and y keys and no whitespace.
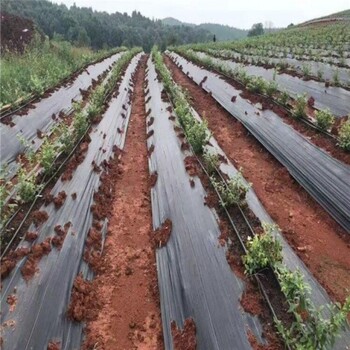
{"x":336,"y":99}
{"x":39,"y":118}
{"x":194,"y":277}
{"x":325,"y":178}
{"x":315,"y":67}
{"x":40,"y":313}
{"x":318,"y":295}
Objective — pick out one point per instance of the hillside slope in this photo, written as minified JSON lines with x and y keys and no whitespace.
{"x":222,"y":32}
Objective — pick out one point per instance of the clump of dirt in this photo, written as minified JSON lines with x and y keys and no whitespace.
{"x":74,"y":196}
{"x":153,"y":179}
{"x":184,"y":339}
{"x":61,"y":233}
{"x":54,"y":345}
{"x":191,"y":165}
{"x":76,"y":159}
{"x":59,"y":199}
{"x":211,"y":200}
{"x":16,"y":32}
{"x":11,"y":300}
{"x":83,"y":301}
{"x":162,"y":234}
{"x":150,"y":122}
{"x":93,"y":249}
{"x":37,"y":252}
{"x":31,"y":236}
{"x":9,"y":262}
{"x":150,"y":133}
{"x":251,"y":301}
{"x":150,"y":150}
{"x":39,"y":216}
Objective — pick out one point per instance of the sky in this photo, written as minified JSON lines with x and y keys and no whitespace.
{"x":241,"y":14}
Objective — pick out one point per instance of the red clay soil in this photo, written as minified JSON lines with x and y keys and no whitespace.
{"x":126,"y":282}
{"x":84,"y":301}
{"x":16,"y":32}
{"x":184,"y":339}
{"x":319,"y":241}
{"x":162,"y":234}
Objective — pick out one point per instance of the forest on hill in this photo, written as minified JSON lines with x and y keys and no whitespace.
{"x":221,"y":31}
{"x":86,"y":27}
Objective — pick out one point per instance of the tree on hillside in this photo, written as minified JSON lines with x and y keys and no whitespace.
{"x":257,"y":29}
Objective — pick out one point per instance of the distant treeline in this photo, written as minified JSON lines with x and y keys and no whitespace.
{"x":86,"y":27}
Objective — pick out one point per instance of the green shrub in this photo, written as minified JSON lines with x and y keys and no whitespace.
{"x":211,"y":161}
{"x":300,"y":106}
{"x":344,"y":136}
{"x":324,"y":119}
{"x":26,"y":186}
{"x":48,"y":154}
{"x":262,"y":250}
{"x":197,"y":136}
{"x":283,"y":98}
{"x":257,"y":84}
{"x":233,"y":192}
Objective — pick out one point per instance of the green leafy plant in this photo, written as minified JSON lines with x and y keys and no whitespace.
{"x":300,"y":106}
{"x":232,"y":192}
{"x":26,"y":186}
{"x":48,"y":154}
{"x":344,"y":136}
{"x":211,"y":161}
{"x":256,"y":84}
{"x":262,"y":250}
{"x":283,"y":98}
{"x":197,"y":136}
{"x":324,"y":119}
{"x":336,"y":78}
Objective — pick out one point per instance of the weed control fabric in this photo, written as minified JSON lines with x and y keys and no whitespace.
{"x":336,"y":99}
{"x":326,"y":179}
{"x":40,"y":315}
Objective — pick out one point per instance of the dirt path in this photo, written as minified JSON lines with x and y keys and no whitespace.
{"x":314,"y":235}
{"x":129,"y":317}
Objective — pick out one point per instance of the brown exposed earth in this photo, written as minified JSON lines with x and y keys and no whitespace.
{"x":16,"y":32}
{"x":184,"y":339}
{"x":319,"y":241}
{"x":126,"y":282}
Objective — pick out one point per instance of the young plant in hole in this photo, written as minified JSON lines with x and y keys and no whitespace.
{"x":256,"y":84}
{"x":271,"y":88}
{"x":29,"y":150}
{"x":320,"y":74}
{"x":26,"y":186}
{"x":197,"y":136}
{"x":300,"y":106}
{"x":65,"y":139}
{"x":48,"y":154}
{"x":344,"y":136}
{"x":211,"y":161}
{"x":336,"y":78}
{"x":306,"y":70}
{"x":324,"y":119}
{"x":233,"y":192}
{"x":263,"y":250}
{"x":283,"y":98}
